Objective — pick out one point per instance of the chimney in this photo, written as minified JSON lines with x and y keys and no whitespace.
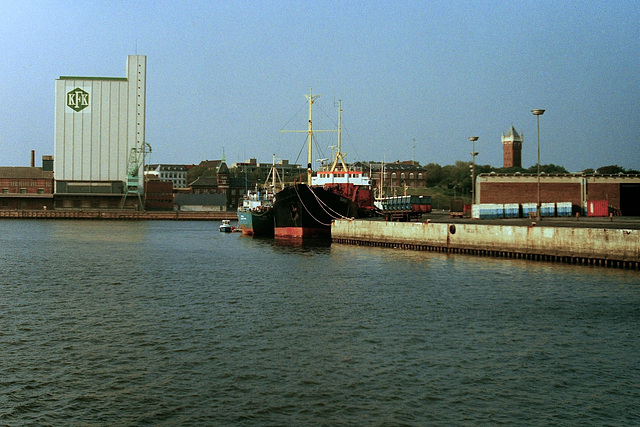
{"x":47,"y":163}
{"x":33,"y":158}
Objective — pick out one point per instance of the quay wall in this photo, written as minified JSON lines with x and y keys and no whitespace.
{"x":595,"y":246}
{"x":120,"y":215}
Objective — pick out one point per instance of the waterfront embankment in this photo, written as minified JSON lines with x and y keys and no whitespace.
{"x":592,"y":246}
{"x":120,"y":215}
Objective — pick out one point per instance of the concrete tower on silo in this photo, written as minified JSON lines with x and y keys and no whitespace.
{"x":512,"y":149}
{"x":98,"y":121}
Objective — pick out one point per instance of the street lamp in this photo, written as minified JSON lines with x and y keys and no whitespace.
{"x":473,"y":140}
{"x":538,"y":113}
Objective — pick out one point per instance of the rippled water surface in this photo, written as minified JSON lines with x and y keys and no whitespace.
{"x":174,"y":323}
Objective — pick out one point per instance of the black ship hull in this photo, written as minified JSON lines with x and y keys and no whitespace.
{"x":301,"y":211}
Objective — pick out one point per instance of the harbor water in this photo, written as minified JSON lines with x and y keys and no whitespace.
{"x":174,"y":323}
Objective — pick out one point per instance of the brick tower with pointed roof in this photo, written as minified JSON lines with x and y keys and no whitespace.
{"x":512,"y":149}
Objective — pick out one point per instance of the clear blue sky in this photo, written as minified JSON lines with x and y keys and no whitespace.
{"x":232,"y":74}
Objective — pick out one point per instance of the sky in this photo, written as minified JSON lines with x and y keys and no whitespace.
{"x":415,"y":78}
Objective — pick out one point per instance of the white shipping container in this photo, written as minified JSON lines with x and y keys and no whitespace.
{"x":548,"y":209}
{"x":564,"y":208}
{"x":511,"y":210}
{"x":528,"y":208}
{"x":475,"y":211}
{"x":487,"y":211}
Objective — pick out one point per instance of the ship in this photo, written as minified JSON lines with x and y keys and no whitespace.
{"x":226,"y":226}
{"x":255,"y":215}
{"x":304,"y":210}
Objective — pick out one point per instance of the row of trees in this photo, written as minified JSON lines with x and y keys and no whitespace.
{"x":458,"y":175}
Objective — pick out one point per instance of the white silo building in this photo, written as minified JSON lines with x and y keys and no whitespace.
{"x":98,"y":121}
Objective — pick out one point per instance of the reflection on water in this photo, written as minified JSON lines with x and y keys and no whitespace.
{"x":97,"y":231}
{"x":176,"y":323}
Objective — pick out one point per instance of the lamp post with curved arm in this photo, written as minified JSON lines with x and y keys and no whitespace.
{"x":538,"y":113}
{"x":473,"y":140}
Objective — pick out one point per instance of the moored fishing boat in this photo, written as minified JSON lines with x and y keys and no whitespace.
{"x":255,"y":215}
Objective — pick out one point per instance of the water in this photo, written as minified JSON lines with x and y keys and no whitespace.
{"x":174,"y":323}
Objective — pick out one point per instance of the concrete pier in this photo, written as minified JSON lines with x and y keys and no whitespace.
{"x":589,"y":246}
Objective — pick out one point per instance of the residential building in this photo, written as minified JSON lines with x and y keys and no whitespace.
{"x":233,"y":189}
{"x":175,"y":174}
{"x":395,"y":177}
{"x":287,"y":171}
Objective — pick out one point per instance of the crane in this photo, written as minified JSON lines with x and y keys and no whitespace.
{"x":136,"y":161}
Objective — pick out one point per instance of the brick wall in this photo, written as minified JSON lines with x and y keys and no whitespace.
{"x":604,"y":191}
{"x":527,"y":192}
{"x":26,"y":185}
{"x":159,"y":195}
{"x":25,"y":203}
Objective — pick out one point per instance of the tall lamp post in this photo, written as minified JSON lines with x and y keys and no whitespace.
{"x":538,"y":113}
{"x":473,"y":140}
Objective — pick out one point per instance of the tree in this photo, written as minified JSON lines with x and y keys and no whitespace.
{"x":433,"y":172}
{"x":254,"y":175}
{"x":548,"y":169}
{"x":610,"y":170}
{"x":488,"y":169}
{"x":510,"y":170}
{"x":457,"y":176}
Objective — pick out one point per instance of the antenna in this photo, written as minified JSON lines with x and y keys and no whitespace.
{"x":414,"y":152}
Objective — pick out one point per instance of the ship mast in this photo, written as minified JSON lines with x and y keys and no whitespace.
{"x":273,"y":169}
{"x":273,"y":173}
{"x":339,"y":155}
{"x":311,"y":98}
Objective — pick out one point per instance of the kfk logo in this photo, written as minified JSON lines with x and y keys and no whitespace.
{"x":77,"y":99}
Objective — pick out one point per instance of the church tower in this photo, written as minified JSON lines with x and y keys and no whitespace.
{"x":512,"y":149}
{"x":223,"y":176}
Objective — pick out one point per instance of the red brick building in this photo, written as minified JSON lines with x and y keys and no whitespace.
{"x":25,"y":188}
{"x":158,"y":195}
{"x":394,"y":176}
{"x":621,"y":191}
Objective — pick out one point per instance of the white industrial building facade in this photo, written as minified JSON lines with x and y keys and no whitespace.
{"x":98,"y":120}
